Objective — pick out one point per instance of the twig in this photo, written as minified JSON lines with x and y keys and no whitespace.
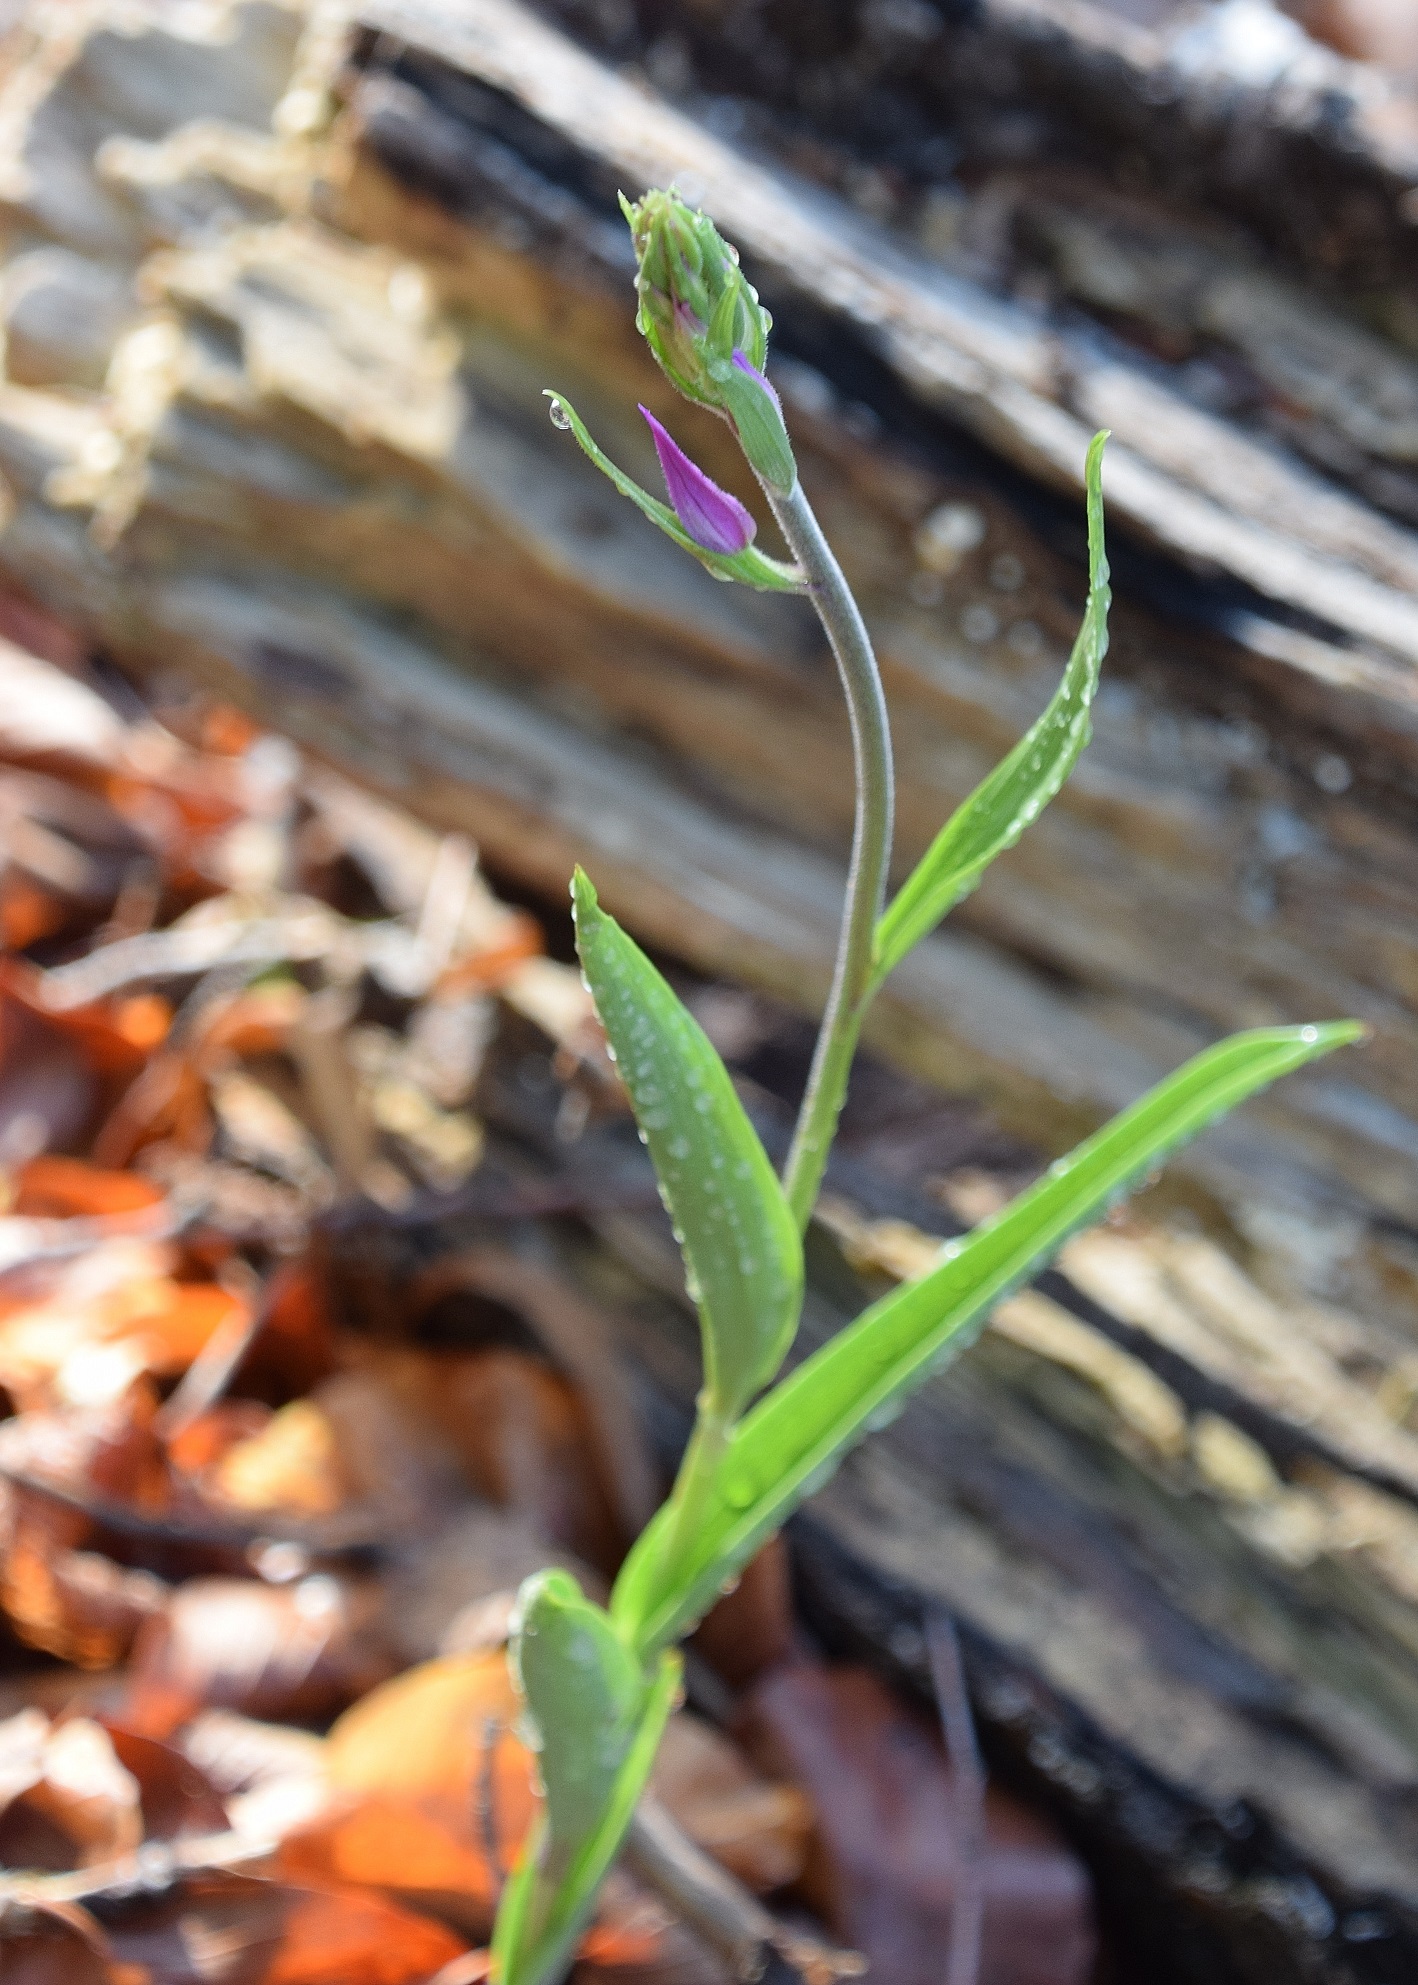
{"x":155,"y":1866}
{"x":25,"y":1238}
{"x":444,"y":903}
{"x":967,"y":1918}
{"x":317,"y":1043}
{"x":348,"y":1530}
{"x":211,"y":1371}
{"x":871,"y":847}
{"x":486,"y":1797}
{"x":312,"y":931}
{"x":726,"y":1914}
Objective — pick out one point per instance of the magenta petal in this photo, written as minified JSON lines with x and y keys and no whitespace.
{"x":714,"y":519}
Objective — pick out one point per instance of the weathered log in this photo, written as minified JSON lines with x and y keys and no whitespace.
{"x":319,"y":475}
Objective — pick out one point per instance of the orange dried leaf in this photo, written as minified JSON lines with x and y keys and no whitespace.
{"x":27,"y":912}
{"x":243,"y":1931}
{"x":181,"y":1322}
{"x":167,"y":1100}
{"x":380,"y":1841}
{"x":349,"y":1937}
{"x":292,"y":1463}
{"x":62,"y":1188}
{"x":485,"y":970}
{"x":299,"y":1651}
{"x":227,"y":730}
{"x":428,"y":1735}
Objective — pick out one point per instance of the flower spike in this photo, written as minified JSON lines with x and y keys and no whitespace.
{"x":709,"y":333}
{"x":714,"y":519}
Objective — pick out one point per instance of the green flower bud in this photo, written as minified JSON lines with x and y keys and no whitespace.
{"x":709,"y":333}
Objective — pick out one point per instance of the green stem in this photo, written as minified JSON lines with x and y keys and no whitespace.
{"x":691,"y":1490}
{"x":871,"y":848}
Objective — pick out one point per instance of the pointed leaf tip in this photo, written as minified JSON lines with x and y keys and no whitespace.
{"x":1013,"y":796}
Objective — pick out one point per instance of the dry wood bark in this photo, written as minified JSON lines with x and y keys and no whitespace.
{"x":319,"y":474}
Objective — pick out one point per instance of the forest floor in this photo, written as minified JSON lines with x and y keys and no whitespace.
{"x":257,"y":1556}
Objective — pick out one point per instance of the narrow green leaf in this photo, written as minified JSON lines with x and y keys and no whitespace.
{"x":740,"y":1241}
{"x":1021,"y":785}
{"x":596,"y":1723}
{"x":792,"y":1440}
{"x":750,"y":567}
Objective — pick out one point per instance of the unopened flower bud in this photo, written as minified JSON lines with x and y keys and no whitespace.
{"x":713,"y":518}
{"x":703,"y":321}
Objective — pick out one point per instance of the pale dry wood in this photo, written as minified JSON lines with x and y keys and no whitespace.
{"x":294,"y":491}
{"x":987,"y":362}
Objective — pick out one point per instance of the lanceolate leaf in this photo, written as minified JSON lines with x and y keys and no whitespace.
{"x":740,"y":1241}
{"x":750,"y":566}
{"x":1021,"y":785}
{"x":597,"y":1724}
{"x":793,"y":1439}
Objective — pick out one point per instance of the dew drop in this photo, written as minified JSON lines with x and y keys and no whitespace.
{"x":560,"y":417}
{"x":1309,"y":1035}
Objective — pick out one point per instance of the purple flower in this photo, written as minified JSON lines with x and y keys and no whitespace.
{"x":714,"y":519}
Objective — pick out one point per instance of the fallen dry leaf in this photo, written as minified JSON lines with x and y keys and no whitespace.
{"x":270,"y":1778}
{"x":292,"y":1463}
{"x":758,"y":1830}
{"x":113,"y":1313}
{"x":175,"y":1796}
{"x":301,"y":1651}
{"x":224,"y":1929}
{"x":66,"y":1798}
{"x":884,"y":1865}
{"x":518,"y":1431}
{"x":61,"y":1944}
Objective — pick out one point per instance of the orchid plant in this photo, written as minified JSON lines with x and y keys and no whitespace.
{"x":599,"y":1683}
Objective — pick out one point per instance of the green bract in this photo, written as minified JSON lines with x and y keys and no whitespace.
{"x":751,"y":566}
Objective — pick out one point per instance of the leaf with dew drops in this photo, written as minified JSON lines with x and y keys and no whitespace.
{"x":791,"y":1441}
{"x":1003,"y":805}
{"x":742,"y":1254}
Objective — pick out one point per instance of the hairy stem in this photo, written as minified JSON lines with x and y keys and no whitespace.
{"x":871,"y":848}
